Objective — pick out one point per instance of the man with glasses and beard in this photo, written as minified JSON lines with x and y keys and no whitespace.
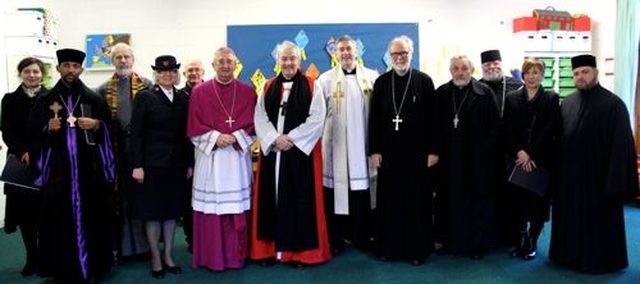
{"x":465,"y":213}
{"x":597,"y":158}
{"x":119,"y":92}
{"x":403,"y":144}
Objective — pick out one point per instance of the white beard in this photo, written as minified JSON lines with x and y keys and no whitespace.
{"x":124,"y":72}
{"x":492,"y":76}
{"x":461,"y":82}
{"x":401,"y":71}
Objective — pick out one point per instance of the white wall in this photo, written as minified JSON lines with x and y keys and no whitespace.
{"x":194,"y":29}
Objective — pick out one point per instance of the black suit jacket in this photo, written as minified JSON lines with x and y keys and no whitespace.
{"x":159,"y":129}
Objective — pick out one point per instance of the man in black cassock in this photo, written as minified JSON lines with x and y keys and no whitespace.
{"x":493,"y":76}
{"x":597,"y":173}
{"x":74,"y":164}
{"x":501,"y":85}
{"x":465,"y":209}
{"x":403,"y":144}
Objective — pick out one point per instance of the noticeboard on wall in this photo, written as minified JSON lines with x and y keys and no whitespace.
{"x":98,"y":49}
{"x":255,"y":46}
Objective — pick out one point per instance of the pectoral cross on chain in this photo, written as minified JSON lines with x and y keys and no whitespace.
{"x":283,"y":106}
{"x":455,"y":121}
{"x":397,"y":121}
{"x":230,"y":121}
{"x":337,"y":96}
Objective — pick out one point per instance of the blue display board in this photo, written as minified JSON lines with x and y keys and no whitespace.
{"x":255,"y":45}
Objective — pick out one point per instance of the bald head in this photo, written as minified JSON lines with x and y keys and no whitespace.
{"x":193,"y":72}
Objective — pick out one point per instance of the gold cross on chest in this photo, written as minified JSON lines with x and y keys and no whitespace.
{"x":55,"y":107}
{"x":337,"y":96}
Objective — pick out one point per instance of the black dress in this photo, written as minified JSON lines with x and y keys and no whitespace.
{"x":160,"y":146}
{"x":22,"y":205}
{"x":531,"y":126}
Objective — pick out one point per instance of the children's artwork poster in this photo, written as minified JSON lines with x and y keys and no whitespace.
{"x":256,"y":46}
{"x":98,"y":49}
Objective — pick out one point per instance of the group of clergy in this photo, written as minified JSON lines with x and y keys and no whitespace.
{"x":386,"y":163}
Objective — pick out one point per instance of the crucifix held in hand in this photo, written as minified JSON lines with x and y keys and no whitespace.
{"x":337,"y":96}
{"x":56,"y":108}
{"x":397,"y":121}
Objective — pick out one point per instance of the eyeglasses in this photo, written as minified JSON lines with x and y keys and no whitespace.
{"x":122,"y":57}
{"x":399,"y":54}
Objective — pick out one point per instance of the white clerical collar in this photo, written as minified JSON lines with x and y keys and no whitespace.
{"x":223,"y":83}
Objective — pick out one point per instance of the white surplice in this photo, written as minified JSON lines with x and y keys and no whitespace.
{"x":222,"y":176}
{"x":304,"y":136}
{"x":344,"y":141}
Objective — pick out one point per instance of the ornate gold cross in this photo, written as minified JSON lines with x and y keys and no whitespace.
{"x":337,"y":96}
{"x":55,"y":107}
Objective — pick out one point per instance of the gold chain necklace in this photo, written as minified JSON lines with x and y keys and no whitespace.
{"x":71,"y":119}
{"x":230,"y":119}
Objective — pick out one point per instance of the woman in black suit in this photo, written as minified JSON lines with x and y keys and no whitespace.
{"x":530,"y":117}
{"x":161,"y":157}
{"x":22,"y":204}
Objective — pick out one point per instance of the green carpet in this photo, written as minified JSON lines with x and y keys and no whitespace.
{"x":354,"y":267}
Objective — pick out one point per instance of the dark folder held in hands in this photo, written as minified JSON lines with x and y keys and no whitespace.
{"x":18,"y":173}
{"x":535,"y":181}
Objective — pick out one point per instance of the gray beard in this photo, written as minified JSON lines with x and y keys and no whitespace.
{"x":492,"y":77}
{"x":124,"y":72}
{"x":461,"y":82}
{"x":401,"y":71}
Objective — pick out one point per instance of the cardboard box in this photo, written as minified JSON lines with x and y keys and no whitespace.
{"x":525,"y":24}
{"x":582,"y":24}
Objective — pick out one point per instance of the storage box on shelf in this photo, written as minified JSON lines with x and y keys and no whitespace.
{"x":24,"y":23}
{"x":30,"y":32}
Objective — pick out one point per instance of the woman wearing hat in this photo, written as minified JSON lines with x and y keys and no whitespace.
{"x":22,"y":208}
{"x":162,"y":158}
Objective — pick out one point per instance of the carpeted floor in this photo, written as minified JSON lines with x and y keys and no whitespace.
{"x":354,"y":267}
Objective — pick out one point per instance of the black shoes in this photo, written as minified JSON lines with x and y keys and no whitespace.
{"x":267,"y":262}
{"x":171,"y":269}
{"x":477,"y":255}
{"x":30,"y":268}
{"x":442,"y":251}
{"x":529,"y":250}
{"x":526,"y":249}
{"x":297,"y":264}
{"x":157,"y":274}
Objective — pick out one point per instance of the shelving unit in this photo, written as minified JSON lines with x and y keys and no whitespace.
{"x":558,"y":75}
{"x":32,"y":34}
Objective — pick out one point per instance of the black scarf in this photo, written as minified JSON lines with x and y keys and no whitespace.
{"x":292,"y":222}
